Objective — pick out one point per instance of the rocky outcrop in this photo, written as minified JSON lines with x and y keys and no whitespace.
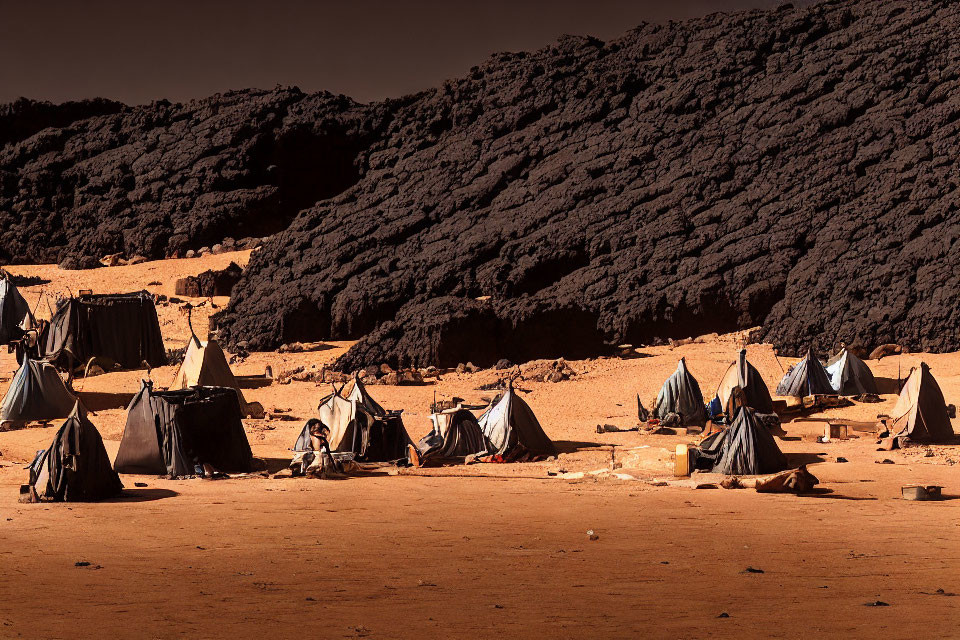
{"x":788,"y":169}
{"x":212,"y":282}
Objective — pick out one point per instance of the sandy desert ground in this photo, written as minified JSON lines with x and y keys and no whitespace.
{"x":483,"y":550}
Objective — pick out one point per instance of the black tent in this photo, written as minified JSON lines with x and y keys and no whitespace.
{"x":456,"y":434}
{"x":806,"y":378}
{"x":36,"y":393}
{"x":849,"y":375}
{"x":681,"y":395}
{"x":745,"y":448}
{"x":76,"y":467}
{"x":511,"y":428}
{"x":744,"y":375}
{"x":122,"y":328}
{"x":170,"y":432}
{"x":15,"y":316}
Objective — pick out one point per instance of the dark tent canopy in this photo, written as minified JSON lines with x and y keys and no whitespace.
{"x":806,"y":378}
{"x":745,"y":448}
{"x":36,"y":393}
{"x":360,"y":425}
{"x":920,"y":414}
{"x":849,"y":375}
{"x":15,"y":316}
{"x":511,"y":428}
{"x":75,"y":468}
{"x":681,"y":395}
{"x":743,"y":374}
{"x":456,"y":434}
{"x":122,"y":328}
{"x":170,"y":432}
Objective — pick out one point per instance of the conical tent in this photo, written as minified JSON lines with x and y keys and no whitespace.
{"x":849,"y":375}
{"x":921,"y":412}
{"x":743,"y":374}
{"x":170,"y":432}
{"x":122,"y":328}
{"x":455,"y":434}
{"x":76,"y":467}
{"x":681,"y":394}
{"x":510,"y":425}
{"x":806,"y":378}
{"x":36,"y":393}
{"x":15,"y":316}
{"x":745,"y":448}
{"x":205,"y":365}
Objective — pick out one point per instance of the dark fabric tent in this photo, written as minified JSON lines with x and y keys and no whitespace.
{"x":743,"y":374}
{"x":170,"y":432}
{"x":850,"y":376}
{"x":36,"y":393}
{"x":122,"y":328}
{"x":511,"y":427}
{"x":360,"y":425}
{"x":806,"y":378}
{"x":76,"y":467}
{"x":920,"y":414}
{"x":456,"y":434}
{"x":15,"y":314}
{"x":681,"y":395}
{"x":745,"y":448}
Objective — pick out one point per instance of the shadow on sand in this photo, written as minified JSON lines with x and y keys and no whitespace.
{"x":572,"y":446}
{"x":101,"y":400}
{"x":143,"y":495}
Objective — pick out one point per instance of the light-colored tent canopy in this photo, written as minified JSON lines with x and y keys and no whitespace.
{"x":806,"y":378}
{"x":36,"y":393}
{"x":921,"y":412}
{"x":743,"y":374}
{"x":681,"y":394}
{"x":360,"y":396}
{"x":511,"y":423}
{"x":205,"y":365}
{"x":849,"y":375}
{"x":14,"y":312}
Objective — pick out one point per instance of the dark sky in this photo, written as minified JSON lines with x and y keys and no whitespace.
{"x":138,"y":51}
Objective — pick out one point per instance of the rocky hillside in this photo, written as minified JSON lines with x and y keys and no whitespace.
{"x":789,"y":169}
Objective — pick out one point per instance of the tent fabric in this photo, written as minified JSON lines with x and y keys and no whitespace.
{"x":681,"y":394}
{"x":205,"y":365}
{"x":360,"y":425}
{"x":75,"y":467}
{"x":15,"y":316}
{"x":850,"y":376}
{"x":123,"y":328}
{"x":806,"y":378}
{"x":510,"y":424}
{"x":745,"y":448}
{"x":362,"y":398}
{"x":743,"y":374}
{"x":36,"y":393}
{"x":455,"y":434}
{"x":920,"y":414}
{"x":170,"y":432}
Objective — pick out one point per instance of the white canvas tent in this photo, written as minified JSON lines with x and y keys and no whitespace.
{"x":849,"y":375}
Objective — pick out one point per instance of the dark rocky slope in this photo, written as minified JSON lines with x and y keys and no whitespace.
{"x":790,"y":169}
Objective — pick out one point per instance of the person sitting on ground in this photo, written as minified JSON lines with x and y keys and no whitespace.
{"x":324,"y":465}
